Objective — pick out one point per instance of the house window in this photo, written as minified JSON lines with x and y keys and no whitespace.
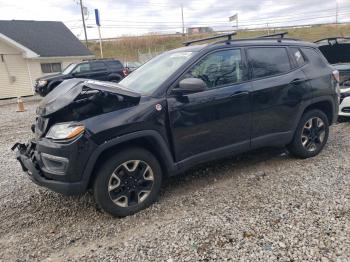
{"x":51,"y":68}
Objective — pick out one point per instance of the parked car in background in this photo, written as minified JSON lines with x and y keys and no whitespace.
{"x":183,"y":108}
{"x":337,"y":52}
{"x":131,"y":66}
{"x":102,"y":69}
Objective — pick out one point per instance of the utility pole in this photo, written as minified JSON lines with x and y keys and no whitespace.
{"x":83,"y":18}
{"x":336,"y":12}
{"x":268,"y":28}
{"x":183,"y":21}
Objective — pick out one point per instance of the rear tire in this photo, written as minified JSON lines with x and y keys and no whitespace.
{"x":311,"y":135}
{"x":128,"y":182}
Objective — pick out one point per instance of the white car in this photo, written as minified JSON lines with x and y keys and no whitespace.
{"x":344,"y":106}
{"x":337,"y":52}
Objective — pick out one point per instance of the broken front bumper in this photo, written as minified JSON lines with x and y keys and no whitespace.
{"x":53,"y":166}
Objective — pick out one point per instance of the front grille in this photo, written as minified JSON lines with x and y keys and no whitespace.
{"x":346,"y":110}
{"x":343,"y":95}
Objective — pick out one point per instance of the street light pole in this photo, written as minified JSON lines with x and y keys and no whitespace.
{"x":83,"y":18}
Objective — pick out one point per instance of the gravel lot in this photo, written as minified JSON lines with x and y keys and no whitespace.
{"x":264,"y":205}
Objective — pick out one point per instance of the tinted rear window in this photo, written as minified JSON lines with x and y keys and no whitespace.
{"x":114,"y":64}
{"x":314,"y":57}
{"x":98,"y":66}
{"x":298,"y":56}
{"x":268,"y":61}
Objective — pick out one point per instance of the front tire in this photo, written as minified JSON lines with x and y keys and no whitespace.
{"x":311,"y":135}
{"x":128,"y":182}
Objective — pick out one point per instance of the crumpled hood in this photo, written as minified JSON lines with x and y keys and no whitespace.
{"x":336,"y":50}
{"x":69,"y":90}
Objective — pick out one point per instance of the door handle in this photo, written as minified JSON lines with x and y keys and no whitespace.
{"x":239,"y":94}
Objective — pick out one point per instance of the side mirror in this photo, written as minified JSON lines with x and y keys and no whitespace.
{"x":190,"y":85}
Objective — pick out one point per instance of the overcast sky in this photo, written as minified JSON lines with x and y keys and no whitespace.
{"x":133,"y":17}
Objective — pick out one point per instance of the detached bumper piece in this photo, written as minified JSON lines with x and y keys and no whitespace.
{"x":29,"y":159}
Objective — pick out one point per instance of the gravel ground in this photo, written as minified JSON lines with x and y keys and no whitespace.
{"x":264,"y":205}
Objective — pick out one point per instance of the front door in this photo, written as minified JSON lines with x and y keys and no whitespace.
{"x":217,"y":118}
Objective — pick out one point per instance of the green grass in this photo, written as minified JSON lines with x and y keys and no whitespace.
{"x":128,"y":48}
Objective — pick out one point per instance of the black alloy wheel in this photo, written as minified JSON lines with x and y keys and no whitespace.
{"x":131,"y":183}
{"x":128,"y":182}
{"x":311,"y":134}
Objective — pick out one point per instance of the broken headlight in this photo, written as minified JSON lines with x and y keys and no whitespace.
{"x":65,"y":131}
{"x":42,"y":83}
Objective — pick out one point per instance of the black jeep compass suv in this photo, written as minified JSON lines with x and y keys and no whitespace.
{"x":183,"y":108}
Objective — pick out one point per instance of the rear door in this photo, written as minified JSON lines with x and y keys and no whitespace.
{"x":277,"y":95}
{"x":99,"y":71}
{"x":217,"y":118}
{"x":115,"y":66}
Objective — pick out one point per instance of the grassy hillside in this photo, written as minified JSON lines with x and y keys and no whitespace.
{"x":128,"y":48}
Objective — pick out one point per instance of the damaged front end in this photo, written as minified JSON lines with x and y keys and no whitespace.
{"x":57,"y":155}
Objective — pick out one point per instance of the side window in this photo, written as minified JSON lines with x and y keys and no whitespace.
{"x":314,"y":57}
{"x":82,"y":68}
{"x":268,"y":61}
{"x":116,"y":65}
{"x":220,"y":69}
{"x":98,"y":66}
{"x":298,"y":56}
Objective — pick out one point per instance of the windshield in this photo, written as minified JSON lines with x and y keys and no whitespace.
{"x":152,"y":75}
{"x":68,"y":69}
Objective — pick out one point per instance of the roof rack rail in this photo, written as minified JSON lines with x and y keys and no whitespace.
{"x":332,"y":39}
{"x":281,"y":35}
{"x":229,"y":38}
{"x":96,"y":59}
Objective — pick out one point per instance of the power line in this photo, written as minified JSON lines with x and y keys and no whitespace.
{"x":178,"y":24}
{"x":216,"y":21}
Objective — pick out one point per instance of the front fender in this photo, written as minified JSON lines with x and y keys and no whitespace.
{"x":160,"y":146}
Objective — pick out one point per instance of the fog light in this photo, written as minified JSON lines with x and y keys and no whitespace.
{"x":55,"y":164}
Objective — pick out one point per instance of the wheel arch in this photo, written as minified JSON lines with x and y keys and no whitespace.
{"x":149,"y":140}
{"x":115,"y":76}
{"x":324,"y":105}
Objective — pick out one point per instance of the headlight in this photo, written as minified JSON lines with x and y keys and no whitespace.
{"x":42,"y":83}
{"x":65,"y":131}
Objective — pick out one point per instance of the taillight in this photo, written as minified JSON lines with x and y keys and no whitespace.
{"x":125,"y":71}
{"x":336,"y":75}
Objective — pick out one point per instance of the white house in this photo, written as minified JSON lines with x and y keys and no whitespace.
{"x":30,"y":49}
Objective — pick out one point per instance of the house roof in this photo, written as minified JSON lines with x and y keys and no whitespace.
{"x":45,"y":38}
